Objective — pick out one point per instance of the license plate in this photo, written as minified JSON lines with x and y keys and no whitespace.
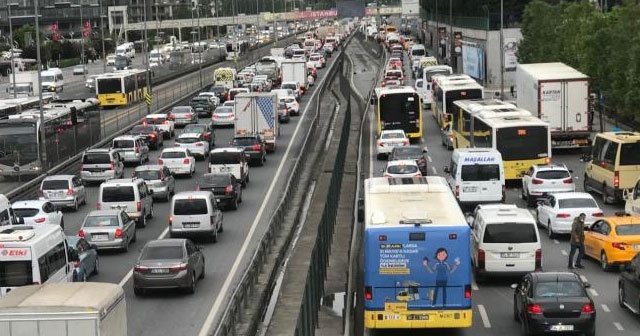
{"x":190,"y":225}
{"x":159,"y":270}
{"x":509,"y":254}
{"x":224,"y":169}
{"x":100,"y":237}
{"x":561,"y":327}
{"x":469,"y":189}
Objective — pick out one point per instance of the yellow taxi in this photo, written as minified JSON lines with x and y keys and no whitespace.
{"x":613,"y":241}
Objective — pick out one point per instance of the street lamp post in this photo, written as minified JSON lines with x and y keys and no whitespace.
{"x":200,"y":47}
{"x":43,"y":143}
{"x":13,"y":66}
{"x":501,"y":48}
{"x":144,"y":51}
{"x":450,"y":44}
{"x":104,"y":52}
{"x":437,"y":30}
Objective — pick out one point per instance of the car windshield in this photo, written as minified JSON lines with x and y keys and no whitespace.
{"x":571,"y":203}
{"x":628,"y":229}
{"x":25,"y":212}
{"x":510,"y":233}
{"x":552,"y":174}
{"x":147,"y":174}
{"x":191,"y":206}
{"x":55,"y":185}
{"x":96,"y":158}
{"x":559,"y":288}
{"x":392,"y":135}
{"x":243,"y":141}
{"x":289,"y":100}
{"x":181,"y":109}
{"x":223,"y":109}
{"x":162,"y":253}
{"x":100,"y":221}
{"x":173,"y":155}
{"x":402,"y":169}
{"x":118,"y":194}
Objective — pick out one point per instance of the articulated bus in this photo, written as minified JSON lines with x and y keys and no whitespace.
{"x":447,"y":89}
{"x":121,"y":88}
{"x":417,"y":263}
{"x":521,"y":138}
{"x":398,"y":108}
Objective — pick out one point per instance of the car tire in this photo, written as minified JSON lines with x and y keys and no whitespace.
{"x":142,"y":222}
{"x":515,"y":310}
{"x":96,"y":266}
{"x":75,"y":205}
{"x":62,"y":223}
{"x":604,"y":262}
{"x":605,"y":194}
{"x":552,"y":235}
{"x":138,"y":291}
{"x":125,"y":248}
{"x":150,"y":214}
{"x":202,"y":271}
{"x":234,"y":205}
{"x":192,"y":284}
{"x":621,"y":295}
{"x":214,"y":237}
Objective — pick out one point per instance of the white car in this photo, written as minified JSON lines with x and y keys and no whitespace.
{"x":543,"y":179}
{"x":163,"y":122}
{"x":183,"y":115}
{"x":178,"y":160}
{"x":230,"y":103}
{"x":389,"y":139}
{"x":111,"y":60}
{"x":402,"y":168}
{"x":195,"y":143}
{"x":38,"y":212}
{"x":315,"y":61}
{"x":212,"y":97}
{"x":223,"y":116}
{"x":295,"y":86}
{"x":292,"y":104}
{"x":153,"y":64}
{"x":557,"y":211}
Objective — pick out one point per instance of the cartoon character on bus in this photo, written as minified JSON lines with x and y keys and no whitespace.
{"x":442,"y":269}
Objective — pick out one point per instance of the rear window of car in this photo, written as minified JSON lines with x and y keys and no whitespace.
{"x":100,"y":221}
{"x":123,"y":144}
{"x":147,"y":174}
{"x":552,"y":174}
{"x":480,"y":172}
{"x":96,"y":158}
{"x":142,"y":129}
{"x":243,"y":141}
{"x":186,"y":140}
{"x":288,"y":86}
{"x":181,"y":109}
{"x":194,"y":129}
{"x":510,"y":233}
{"x":156,"y":121}
{"x":225,"y":158}
{"x":25,"y":212}
{"x":558,"y":289}
{"x":571,"y":203}
{"x":393,"y":135}
{"x":162,"y":253}
{"x":55,"y":184}
{"x":118,"y":194}
{"x":402,"y":169}
{"x":173,"y":155}
{"x":223,"y":109}
{"x":194,"y":206}
{"x":628,"y":230}
{"x":215,"y":179}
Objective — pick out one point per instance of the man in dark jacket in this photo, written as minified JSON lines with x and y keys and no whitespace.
{"x":577,"y":241}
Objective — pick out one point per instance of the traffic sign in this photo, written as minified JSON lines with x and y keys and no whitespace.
{"x":148,"y":98}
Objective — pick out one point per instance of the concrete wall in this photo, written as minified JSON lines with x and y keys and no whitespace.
{"x":487,"y":40}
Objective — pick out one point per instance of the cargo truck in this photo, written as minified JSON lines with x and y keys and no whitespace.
{"x":257,"y":112}
{"x":26,"y":84}
{"x":559,"y":95}
{"x":64,"y":309}
{"x":294,"y":71}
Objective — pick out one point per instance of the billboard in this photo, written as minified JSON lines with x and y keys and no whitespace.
{"x":347,"y":9}
{"x":473,"y":60}
{"x":410,"y":7}
{"x":510,"y":50}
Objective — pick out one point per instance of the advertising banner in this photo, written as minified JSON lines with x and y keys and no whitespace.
{"x":510,"y":50}
{"x":473,"y":60}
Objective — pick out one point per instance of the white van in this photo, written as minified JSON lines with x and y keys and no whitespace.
{"x":231,"y":160}
{"x":131,"y":195}
{"x":505,"y":240}
{"x":34,"y":255}
{"x":195,"y":213}
{"x":52,"y":80}
{"x":476,"y":175}
{"x":126,"y":49}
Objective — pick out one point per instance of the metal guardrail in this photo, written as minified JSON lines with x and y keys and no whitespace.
{"x":233,"y":313}
{"x":29,"y":189}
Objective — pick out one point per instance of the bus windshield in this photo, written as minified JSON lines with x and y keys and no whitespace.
{"x":522,"y":143}
{"x":400,"y":111}
{"x":109,"y":85}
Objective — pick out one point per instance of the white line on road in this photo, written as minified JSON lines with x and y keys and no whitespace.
{"x":435,"y":172}
{"x":474,"y":285}
{"x":564,"y":252}
{"x":593,"y":292}
{"x":130,"y":273}
{"x":583,"y":278}
{"x":618,"y":326}
{"x":429,"y":158}
{"x":484,"y":316}
{"x":605,"y":308}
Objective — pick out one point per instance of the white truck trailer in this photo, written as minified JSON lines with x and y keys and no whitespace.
{"x":64,"y":309}
{"x":26,"y":84}
{"x":559,"y":95}
{"x":294,"y":71}
{"x":257,"y":112}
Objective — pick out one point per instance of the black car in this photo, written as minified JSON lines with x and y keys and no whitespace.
{"x":254,"y":147}
{"x":552,"y":302}
{"x":283,"y":113}
{"x":220,"y":91}
{"x":202,"y":106}
{"x":226,"y":188}
{"x":629,"y":285}
{"x":152,"y":135}
{"x":411,"y":153}
{"x":206,"y":130}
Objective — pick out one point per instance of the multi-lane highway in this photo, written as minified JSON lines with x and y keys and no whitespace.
{"x":493,"y":301}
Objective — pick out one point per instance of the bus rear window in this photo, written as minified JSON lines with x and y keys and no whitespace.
{"x":15,"y":273}
{"x":510,"y":233}
{"x":630,"y":154}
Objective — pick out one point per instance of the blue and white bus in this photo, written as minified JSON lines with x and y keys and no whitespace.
{"x":417,"y":264}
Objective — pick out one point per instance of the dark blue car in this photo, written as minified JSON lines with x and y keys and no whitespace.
{"x":88,"y":263}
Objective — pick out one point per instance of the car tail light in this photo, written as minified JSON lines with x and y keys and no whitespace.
{"x":481,"y":258}
{"x":178,"y":268}
{"x":81,"y":233}
{"x":368,"y":293}
{"x":139,"y":268}
{"x":457,"y":191}
{"x":185,"y":161}
{"x":118,"y":233}
{"x":538,"y":259}
{"x":567,"y":180}
{"x":418,"y":174}
{"x":152,"y":135}
{"x":255,"y":147}
{"x":212,"y":220}
{"x":138,"y":206}
{"x":534,"y":309}
{"x":563,"y":215}
{"x":199,"y":144}
{"x":40,"y":192}
{"x":160,"y":162}
{"x":537,"y":181}
{"x":170,"y":220}
{"x":597,"y":214}
{"x":588,"y":308}
{"x":39,"y":220}
{"x":467,"y":291}
{"x":617,"y":245}
{"x":405,"y":142}
{"x":98,"y":206}
{"x":228,"y":190}
{"x":172,"y":116}
{"x":616,"y":179}
{"x":380,"y":143}
{"x":207,"y":135}
{"x":70,"y":191}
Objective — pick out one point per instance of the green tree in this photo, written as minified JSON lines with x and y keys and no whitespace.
{"x":541,"y":39}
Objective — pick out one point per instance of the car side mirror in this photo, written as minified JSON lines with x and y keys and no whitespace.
{"x":19,"y":220}
{"x":150,"y":192}
{"x":514,"y":286}
{"x":586,"y":284}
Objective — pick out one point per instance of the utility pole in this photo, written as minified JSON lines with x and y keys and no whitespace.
{"x":13,"y":66}
{"x":200,"y":47}
{"x":501,"y":48}
{"x":104,"y":52}
{"x":43,"y":142}
{"x":450,"y":44}
{"x":144,"y":51}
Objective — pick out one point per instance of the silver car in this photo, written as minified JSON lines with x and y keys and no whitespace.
{"x":108,"y":229}
{"x":159,"y":179}
{"x":63,"y":191}
{"x":183,"y":115}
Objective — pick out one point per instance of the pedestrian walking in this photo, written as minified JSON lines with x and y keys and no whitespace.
{"x":577,"y":241}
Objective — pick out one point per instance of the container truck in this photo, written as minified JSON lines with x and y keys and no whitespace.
{"x":294,"y":71}
{"x":64,"y":309}
{"x":559,"y":95}
{"x":257,"y":112}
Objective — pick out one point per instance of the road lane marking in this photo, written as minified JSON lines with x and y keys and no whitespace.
{"x":618,"y":326}
{"x":564,"y":252}
{"x":435,"y":172}
{"x":484,"y":316}
{"x":605,"y":308}
{"x":130,"y":273}
{"x":555,"y":241}
{"x":593,"y":292}
{"x":583,"y":278}
{"x":429,"y":158}
{"x":474,"y":285}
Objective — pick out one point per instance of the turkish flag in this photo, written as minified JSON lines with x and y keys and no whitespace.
{"x":54,"y":27}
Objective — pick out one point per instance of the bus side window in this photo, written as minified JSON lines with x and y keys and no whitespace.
{"x":636,"y":191}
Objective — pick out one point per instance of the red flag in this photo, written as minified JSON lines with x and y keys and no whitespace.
{"x":54,"y":27}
